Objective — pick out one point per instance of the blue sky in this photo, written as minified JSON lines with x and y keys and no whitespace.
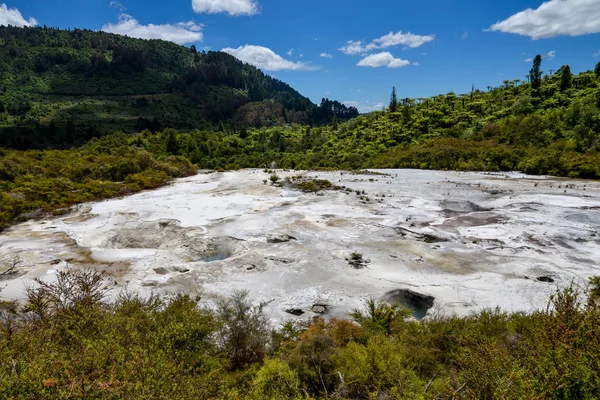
{"x":422,"y":47}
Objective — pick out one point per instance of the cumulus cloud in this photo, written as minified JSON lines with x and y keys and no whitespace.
{"x":391,"y":39}
{"x":231,"y":7}
{"x":181,"y":33}
{"x":325,"y":55}
{"x":384,"y":59}
{"x":554,"y":18}
{"x":353,"y":47}
{"x":12,"y":16}
{"x":264,"y":58}
{"x":407,"y":39}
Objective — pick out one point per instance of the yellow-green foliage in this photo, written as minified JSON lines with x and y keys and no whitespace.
{"x":506,"y":128}
{"x":275,"y":380}
{"x":46,"y":180}
{"x":378,"y":368}
{"x":75,"y":344}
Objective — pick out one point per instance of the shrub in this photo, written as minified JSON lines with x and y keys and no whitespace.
{"x":244,"y":330}
{"x":274,"y":178}
{"x":275,"y":380}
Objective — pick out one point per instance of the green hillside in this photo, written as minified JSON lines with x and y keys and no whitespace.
{"x":64,"y":87}
{"x":553,"y":128}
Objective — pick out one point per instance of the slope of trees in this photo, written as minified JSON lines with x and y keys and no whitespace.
{"x":63,"y":87}
{"x":554,"y":129}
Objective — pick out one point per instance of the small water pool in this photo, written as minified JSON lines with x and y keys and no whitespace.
{"x":216,"y":257}
{"x":418,"y":312}
{"x":418,"y":303}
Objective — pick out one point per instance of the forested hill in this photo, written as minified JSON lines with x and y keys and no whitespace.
{"x":63,"y":87}
{"x":547,"y":124}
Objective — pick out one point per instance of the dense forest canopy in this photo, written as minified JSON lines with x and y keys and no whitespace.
{"x":63,"y":87}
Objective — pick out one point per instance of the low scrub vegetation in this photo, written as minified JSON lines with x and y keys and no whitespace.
{"x":35,"y":182}
{"x":69,"y":341}
{"x":312,"y":185}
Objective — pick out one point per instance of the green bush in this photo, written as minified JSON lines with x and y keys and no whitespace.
{"x":74,"y":343}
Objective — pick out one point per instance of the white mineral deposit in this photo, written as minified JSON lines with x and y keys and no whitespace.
{"x":438,"y":242}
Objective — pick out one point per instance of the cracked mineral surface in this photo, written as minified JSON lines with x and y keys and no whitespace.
{"x":467,"y":240}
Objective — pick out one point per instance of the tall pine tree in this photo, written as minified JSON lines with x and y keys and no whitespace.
{"x":535,"y":74}
{"x":393,"y":101}
{"x":565,"y":77}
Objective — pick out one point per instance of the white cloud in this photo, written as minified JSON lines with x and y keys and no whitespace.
{"x":384,"y":59}
{"x":416,"y":64}
{"x":231,"y":7}
{"x":289,"y":53}
{"x":391,"y":39}
{"x":549,"y":56}
{"x":353,"y":47}
{"x":596,"y":54}
{"x":407,"y":39}
{"x":325,"y":55}
{"x":464,"y":35}
{"x":264,"y":58}
{"x":117,"y":5}
{"x":12,"y":16}
{"x":181,"y":33}
{"x":554,"y":18}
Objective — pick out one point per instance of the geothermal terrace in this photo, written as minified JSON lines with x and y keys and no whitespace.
{"x":440,"y":243}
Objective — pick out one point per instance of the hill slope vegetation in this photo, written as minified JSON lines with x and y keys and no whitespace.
{"x":552,"y":129}
{"x":64,"y":87}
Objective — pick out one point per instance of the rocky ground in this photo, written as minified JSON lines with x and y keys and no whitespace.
{"x":439,"y":242}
